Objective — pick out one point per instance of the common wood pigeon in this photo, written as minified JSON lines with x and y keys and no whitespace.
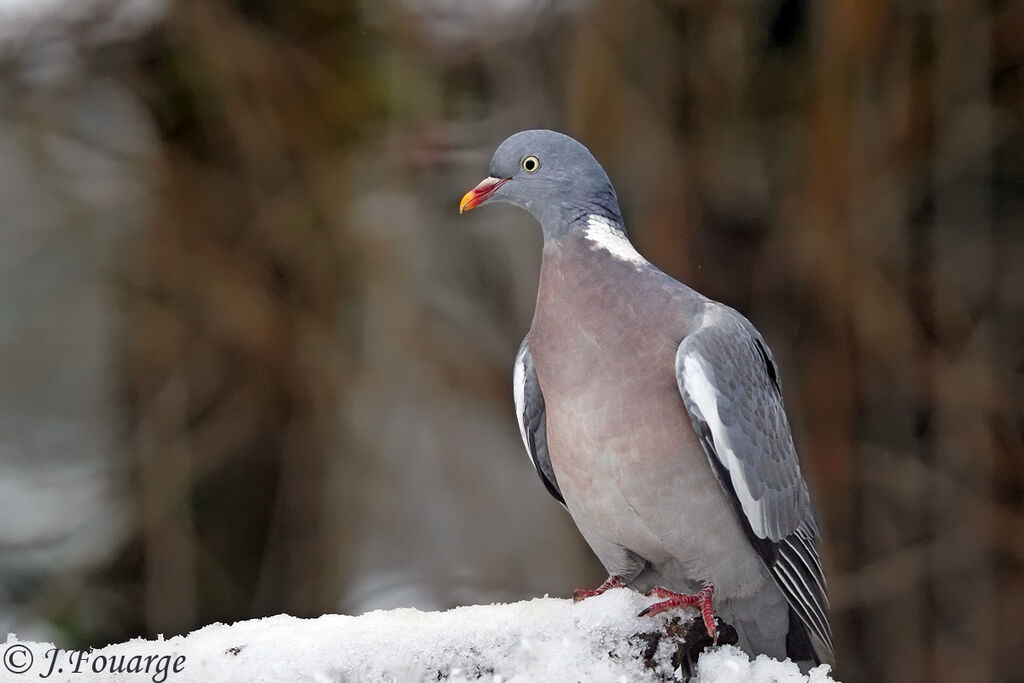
{"x":655,"y":416}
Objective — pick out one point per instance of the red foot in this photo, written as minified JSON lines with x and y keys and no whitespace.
{"x":672,"y":600}
{"x":609,"y":583}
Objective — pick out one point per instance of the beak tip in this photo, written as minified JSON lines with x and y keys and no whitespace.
{"x":468,"y":202}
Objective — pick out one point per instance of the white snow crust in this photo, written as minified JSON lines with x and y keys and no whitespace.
{"x":536,"y":641}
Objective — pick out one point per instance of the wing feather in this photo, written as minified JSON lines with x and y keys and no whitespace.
{"x":730,"y":387}
{"x":532,"y":417}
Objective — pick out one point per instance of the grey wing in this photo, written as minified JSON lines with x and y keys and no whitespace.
{"x":531,"y":414}
{"x":729,"y":384}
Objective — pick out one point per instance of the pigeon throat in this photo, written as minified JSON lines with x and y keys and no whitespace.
{"x":603,"y":234}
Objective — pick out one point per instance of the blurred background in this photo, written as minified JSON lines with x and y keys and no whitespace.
{"x":252,"y":361}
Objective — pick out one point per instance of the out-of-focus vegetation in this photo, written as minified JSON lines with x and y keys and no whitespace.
{"x":252,"y":360}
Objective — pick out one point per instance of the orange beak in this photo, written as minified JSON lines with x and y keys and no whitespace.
{"x":481,"y":193}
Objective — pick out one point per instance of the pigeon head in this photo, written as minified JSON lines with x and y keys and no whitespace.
{"x":550,"y":175}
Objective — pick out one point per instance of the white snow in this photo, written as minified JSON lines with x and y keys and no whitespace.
{"x":728,"y":664}
{"x":540,"y":640}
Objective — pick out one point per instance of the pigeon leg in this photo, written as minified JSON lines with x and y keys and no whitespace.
{"x":609,"y":583}
{"x":671,"y":600}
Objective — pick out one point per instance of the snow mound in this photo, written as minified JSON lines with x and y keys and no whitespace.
{"x":536,"y":641}
{"x":729,"y":664}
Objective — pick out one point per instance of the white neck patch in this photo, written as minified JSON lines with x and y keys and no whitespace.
{"x":602,"y":233}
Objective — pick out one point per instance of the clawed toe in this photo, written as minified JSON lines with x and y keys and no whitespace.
{"x":610,"y":582}
{"x":672,"y":600}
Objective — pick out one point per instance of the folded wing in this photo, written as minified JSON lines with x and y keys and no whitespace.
{"x":730,"y":387}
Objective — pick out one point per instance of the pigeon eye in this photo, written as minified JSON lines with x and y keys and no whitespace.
{"x":531,"y":164}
